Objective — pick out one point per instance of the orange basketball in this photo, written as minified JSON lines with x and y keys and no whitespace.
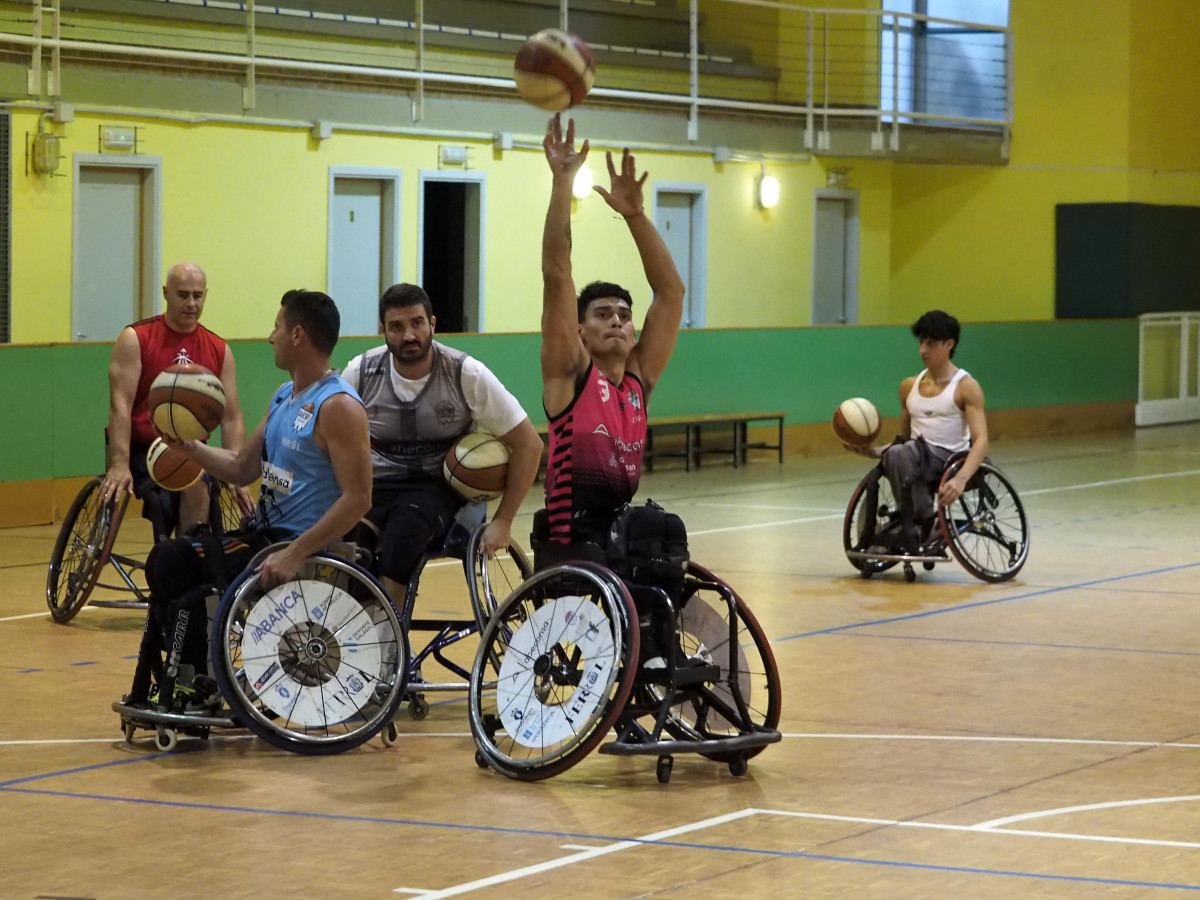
{"x":171,"y":469}
{"x":554,"y":70}
{"x":477,"y":465}
{"x":186,"y":402}
{"x":856,"y":422}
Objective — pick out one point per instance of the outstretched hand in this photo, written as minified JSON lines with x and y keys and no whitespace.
{"x":560,"y":150}
{"x":625,"y":192}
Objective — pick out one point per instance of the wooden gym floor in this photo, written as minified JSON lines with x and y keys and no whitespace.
{"x":948,"y":738}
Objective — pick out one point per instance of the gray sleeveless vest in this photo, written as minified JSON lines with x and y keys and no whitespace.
{"x":410,"y":439}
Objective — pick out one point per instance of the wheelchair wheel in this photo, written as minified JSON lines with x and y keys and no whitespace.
{"x":314,"y":666}
{"x":715,"y":712}
{"x":986,"y":528}
{"x":554,"y":671}
{"x":887,"y":522}
{"x":490,"y":581}
{"x":81,"y":550}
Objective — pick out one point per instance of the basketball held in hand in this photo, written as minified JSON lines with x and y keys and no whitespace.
{"x":554,"y":70}
{"x":856,"y":422}
{"x":476,"y":466}
{"x":186,"y":402}
{"x":171,"y":469}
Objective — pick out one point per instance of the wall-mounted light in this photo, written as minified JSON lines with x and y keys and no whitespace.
{"x":766,"y":190}
{"x":451,"y":155}
{"x":113,"y":137}
{"x":582,"y":185}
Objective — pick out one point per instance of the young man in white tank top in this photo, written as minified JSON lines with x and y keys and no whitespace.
{"x":941,"y":414}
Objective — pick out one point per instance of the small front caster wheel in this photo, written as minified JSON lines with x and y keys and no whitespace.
{"x":389,"y":735}
{"x":663,"y":770}
{"x":909,"y":575}
{"x":129,"y":730}
{"x":418,"y":707}
{"x":480,"y":759}
{"x":165,"y":739}
{"x":739,"y":767}
{"x":928,"y":566}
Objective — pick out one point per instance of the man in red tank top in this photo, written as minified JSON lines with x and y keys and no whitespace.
{"x":596,"y":374}
{"x":142,"y":351}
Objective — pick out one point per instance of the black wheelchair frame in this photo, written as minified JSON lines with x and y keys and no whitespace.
{"x":985,"y":530}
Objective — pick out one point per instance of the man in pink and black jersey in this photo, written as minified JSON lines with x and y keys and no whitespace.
{"x":597,"y":374}
{"x":141,"y":353}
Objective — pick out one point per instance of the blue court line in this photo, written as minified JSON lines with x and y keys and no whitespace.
{"x":953,"y":609}
{"x":913,"y":637}
{"x":87,"y":662}
{"x":5,"y":785}
{"x":574,"y":836}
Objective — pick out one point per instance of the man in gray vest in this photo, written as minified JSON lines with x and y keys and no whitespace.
{"x":421,"y":396}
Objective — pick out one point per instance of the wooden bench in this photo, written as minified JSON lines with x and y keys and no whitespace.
{"x":692,"y":427}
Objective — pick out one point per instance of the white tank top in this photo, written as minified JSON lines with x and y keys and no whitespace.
{"x":938,"y":419}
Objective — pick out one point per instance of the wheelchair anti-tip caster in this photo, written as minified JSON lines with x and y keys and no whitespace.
{"x":928,"y":566}
{"x":480,"y":759}
{"x":909,"y":575}
{"x":418,"y":707}
{"x":128,"y":730}
{"x":739,"y":766}
{"x":165,"y":739}
{"x":389,"y":735}
{"x":663,"y":770}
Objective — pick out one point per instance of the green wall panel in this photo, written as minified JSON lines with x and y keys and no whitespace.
{"x":54,"y":400}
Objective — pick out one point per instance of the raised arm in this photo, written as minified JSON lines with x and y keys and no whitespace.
{"x":123,"y":373}
{"x":563,"y":356}
{"x":661,"y":326}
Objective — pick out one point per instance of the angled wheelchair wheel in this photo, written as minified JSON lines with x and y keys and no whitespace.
{"x":554,"y":671}
{"x":317,"y":665}
{"x":748,"y":693}
{"x":986,"y":528}
{"x":490,"y":581}
{"x":887,"y":523}
{"x":81,"y":550}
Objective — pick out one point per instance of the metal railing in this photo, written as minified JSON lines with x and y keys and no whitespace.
{"x":822,"y":68}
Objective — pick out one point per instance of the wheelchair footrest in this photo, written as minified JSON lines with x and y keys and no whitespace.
{"x":760,"y":737}
{"x":139,"y":715}
{"x":119,"y":604}
{"x":432,"y":687}
{"x":690,"y":673}
{"x":867,"y":556}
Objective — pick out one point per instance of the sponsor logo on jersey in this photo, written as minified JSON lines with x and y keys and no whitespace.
{"x":181,"y":357}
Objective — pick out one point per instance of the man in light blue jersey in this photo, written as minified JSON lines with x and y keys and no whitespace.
{"x":313,"y":453}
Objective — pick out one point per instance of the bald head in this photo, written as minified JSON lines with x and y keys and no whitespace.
{"x":185,"y":291}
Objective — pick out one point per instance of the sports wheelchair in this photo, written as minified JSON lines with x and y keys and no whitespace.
{"x":674,"y":664}
{"x":322,"y":663}
{"x":985,"y":529}
{"x":85,"y":545}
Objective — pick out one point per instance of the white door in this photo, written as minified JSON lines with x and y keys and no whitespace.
{"x":678,"y":215}
{"x":356,"y":237}
{"x":835,"y":261}
{"x":108,"y":253}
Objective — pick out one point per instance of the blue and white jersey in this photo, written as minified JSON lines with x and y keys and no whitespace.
{"x":298,"y":483}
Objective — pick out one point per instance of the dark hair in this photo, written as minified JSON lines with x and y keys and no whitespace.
{"x":598,"y":289}
{"x":399,"y":295}
{"x":316,"y":313}
{"x":936,"y":325}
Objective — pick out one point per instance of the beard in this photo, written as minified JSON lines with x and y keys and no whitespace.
{"x":410,"y":351}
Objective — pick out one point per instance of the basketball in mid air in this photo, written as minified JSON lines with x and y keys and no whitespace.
{"x":171,"y":469}
{"x":554,"y":70}
{"x":186,"y":402}
{"x":856,"y":422}
{"x":476,"y":466}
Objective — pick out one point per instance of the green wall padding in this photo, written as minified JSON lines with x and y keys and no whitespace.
{"x":54,"y":399}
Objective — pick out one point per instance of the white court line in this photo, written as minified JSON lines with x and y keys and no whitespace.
{"x":549,"y":865}
{"x":995,"y":823}
{"x":985,"y":829}
{"x":1111,"y":481}
{"x":36,"y":615}
{"x":820,"y":509}
{"x":992,"y":738}
{"x":1051,"y":490}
